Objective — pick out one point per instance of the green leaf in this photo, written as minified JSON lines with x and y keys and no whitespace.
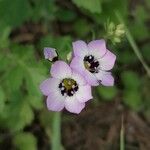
{"x":108,"y":93}
{"x":35,"y":102}
{"x":94,"y":6}
{"x":82,"y":28}
{"x":42,"y":9}
{"x":14,"y":12}
{"x":131,"y":80}
{"x":4,"y":38}
{"x":146,"y":51}
{"x":46,"y":118}
{"x":33,"y":79}
{"x":21,"y":113}
{"x":127,"y":57}
{"x":25,"y":141}
{"x":133,"y":99}
{"x":23,"y":52}
{"x":15,"y":78}
{"x":65,"y":15}
{"x":4,"y":61}
{"x":2,"y":100}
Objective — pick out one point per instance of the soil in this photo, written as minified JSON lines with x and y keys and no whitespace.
{"x":98,"y":128}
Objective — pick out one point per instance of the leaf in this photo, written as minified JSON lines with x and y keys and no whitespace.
{"x":65,"y":15}
{"x":108,"y":93}
{"x":82,"y":28}
{"x":2,"y":100}
{"x":15,"y":12}
{"x":4,"y":38}
{"x":33,"y":79}
{"x":133,"y":99}
{"x":127,"y":57}
{"x":94,"y":6}
{"x":42,"y":9}
{"x":4,"y":62}
{"x":25,"y":141}
{"x":21,"y":113}
{"x":23,"y":52}
{"x":131,"y":80}
{"x":35,"y":102}
{"x":15,"y":78}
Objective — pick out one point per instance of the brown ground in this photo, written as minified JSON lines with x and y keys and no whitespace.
{"x":98,"y":128}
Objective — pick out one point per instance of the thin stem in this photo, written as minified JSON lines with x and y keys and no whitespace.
{"x":56,"y":137}
{"x":134,"y":45}
{"x":122,"y":143}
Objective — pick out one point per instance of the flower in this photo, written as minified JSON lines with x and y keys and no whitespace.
{"x":93,"y":61}
{"x":50,"y":54}
{"x":66,"y":89}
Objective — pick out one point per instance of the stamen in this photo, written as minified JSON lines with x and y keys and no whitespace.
{"x":73,"y":86}
{"x":91,"y":64}
{"x":68,"y":87}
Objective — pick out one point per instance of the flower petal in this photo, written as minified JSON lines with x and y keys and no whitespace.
{"x":106,"y":78}
{"x":49,"y":85}
{"x":84,"y":94}
{"x":90,"y":78}
{"x":55,"y":101}
{"x":108,"y":61}
{"x":73,"y":105}
{"x":80,"y":48}
{"x":97,"y":48}
{"x":60,"y":69}
{"x":49,"y":53}
{"x":77,"y":65}
{"x":78,"y":78}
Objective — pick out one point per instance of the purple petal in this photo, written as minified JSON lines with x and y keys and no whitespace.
{"x":80,"y":48}
{"x":60,"y":70}
{"x":55,"y":101}
{"x":84,"y":94}
{"x":106,"y":78}
{"x":97,"y":48}
{"x":78,"y":78}
{"x":73,"y":105}
{"x":77,"y":65}
{"x":108,"y":61}
{"x":49,"y":53}
{"x":49,"y":85}
{"x":90,"y":78}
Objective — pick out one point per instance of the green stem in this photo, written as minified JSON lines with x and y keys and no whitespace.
{"x":122,"y":143}
{"x":134,"y":45}
{"x":56,"y":136}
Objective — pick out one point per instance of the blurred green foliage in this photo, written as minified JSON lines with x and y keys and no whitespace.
{"x":27,"y":26}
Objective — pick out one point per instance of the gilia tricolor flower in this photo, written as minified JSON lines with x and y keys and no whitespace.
{"x":50,"y":54}
{"x":66,"y":89}
{"x":93,"y":61}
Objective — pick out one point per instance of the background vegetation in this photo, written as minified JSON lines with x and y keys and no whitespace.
{"x":27,"y":26}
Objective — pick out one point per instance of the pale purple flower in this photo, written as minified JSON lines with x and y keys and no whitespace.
{"x":50,"y":54}
{"x":66,"y":89}
{"x":93,"y":61}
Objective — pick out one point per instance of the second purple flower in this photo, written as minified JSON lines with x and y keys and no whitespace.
{"x":93,"y":60}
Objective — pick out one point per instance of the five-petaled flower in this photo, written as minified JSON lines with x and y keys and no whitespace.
{"x":66,"y":89}
{"x":92,"y":61}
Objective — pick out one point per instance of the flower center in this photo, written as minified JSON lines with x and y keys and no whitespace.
{"x":68,"y":87}
{"x":91,"y":64}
